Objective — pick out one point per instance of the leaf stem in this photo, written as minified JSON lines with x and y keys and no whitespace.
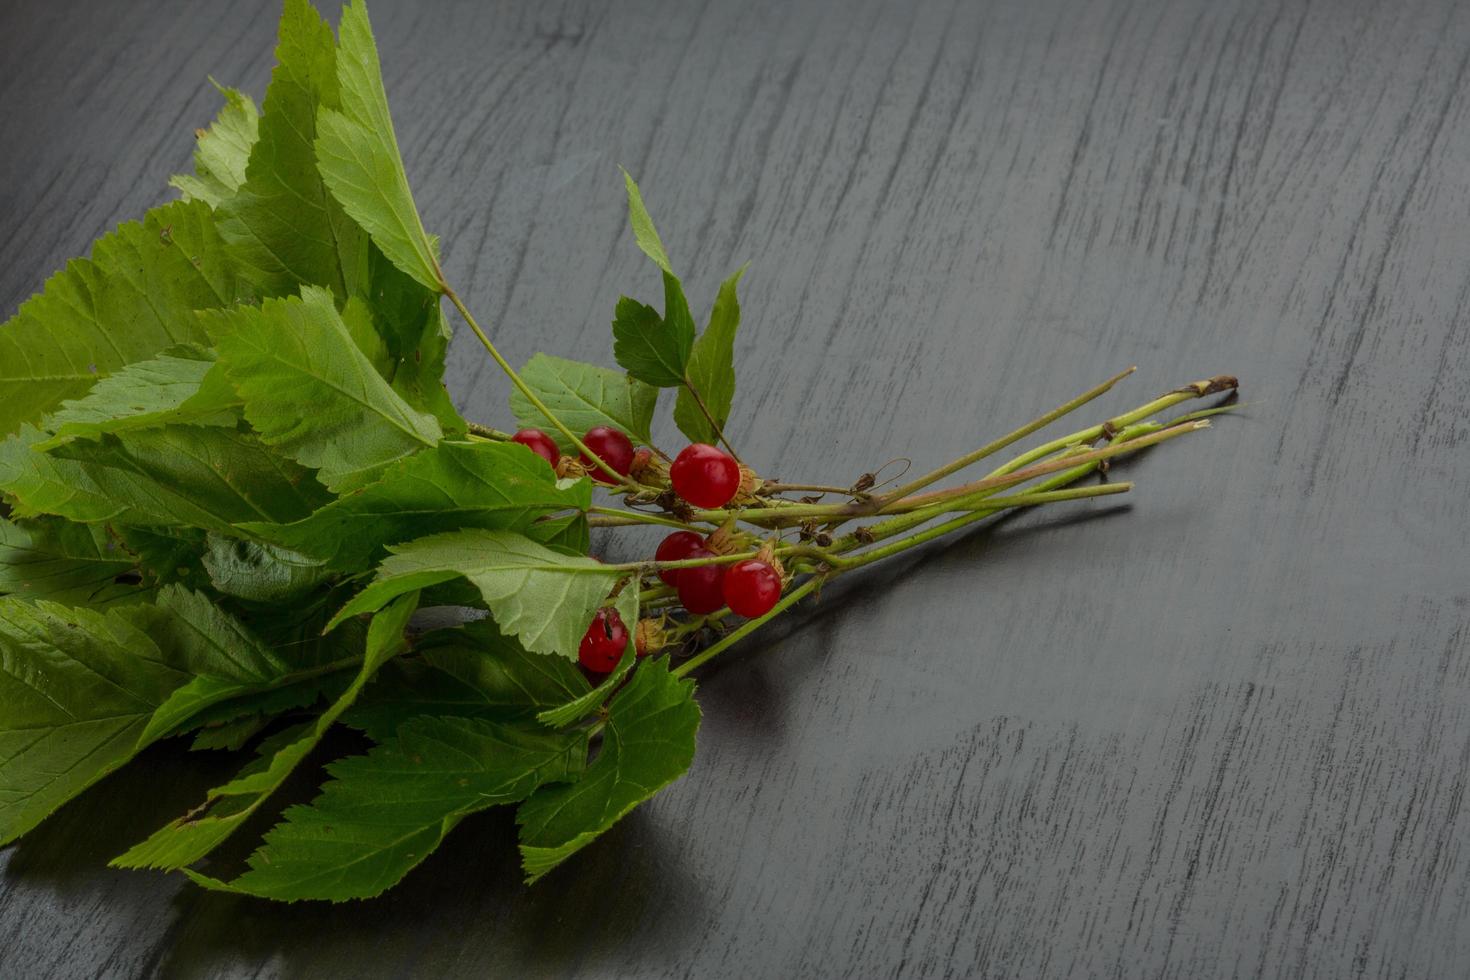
{"x":531,"y":396}
{"x":704,"y":410}
{"x":612,"y":517}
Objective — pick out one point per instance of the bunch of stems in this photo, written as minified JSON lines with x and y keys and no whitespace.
{"x":881,"y":524}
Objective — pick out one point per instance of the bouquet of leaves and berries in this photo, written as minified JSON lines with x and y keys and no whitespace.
{"x":231,"y":475}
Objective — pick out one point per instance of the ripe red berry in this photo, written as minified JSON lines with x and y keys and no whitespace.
{"x":604,"y":642}
{"x":700,"y":587}
{"x":751,"y":588}
{"x":539,"y":443}
{"x":705,"y":476}
{"x":612,"y":447}
{"x":677,"y":547}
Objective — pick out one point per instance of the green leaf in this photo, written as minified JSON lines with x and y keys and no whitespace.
{"x":357,"y":153}
{"x":711,"y":370}
{"x":454,"y":485}
{"x":309,"y":391}
{"x":134,"y":297}
{"x":179,"y":385}
{"x":647,"y":744}
{"x":76,"y":692}
{"x":541,"y":596}
{"x":195,"y":834}
{"x":584,"y":396}
{"x":222,"y":152}
{"x":261,"y":572}
{"x":571,"y":535}
{"x":643,"y":229}
{"x":51,"y":558}
{"x":470,"y":671}
{"x":652,"y":349}
{"x":283,"y":228}
{"x":229,"y":724}
{"x":384,"y":812}
{"x":179,"y":475}
{"x":409,"y":319}
{"x":166,"y":555}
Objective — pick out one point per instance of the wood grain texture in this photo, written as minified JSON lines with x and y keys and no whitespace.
{"x":1221,"y":732}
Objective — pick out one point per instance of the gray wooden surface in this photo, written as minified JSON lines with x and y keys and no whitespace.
{"x":1221,"y":732}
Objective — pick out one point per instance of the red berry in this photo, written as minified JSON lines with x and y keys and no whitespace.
{"x":603,"y":644}
{"x":751,"y":588}
{"x":705,"y":476}
{"x":612,"y":447}
{"x":539,"y":443}
{"x":677,"y":547}
{"x":699,"y":587}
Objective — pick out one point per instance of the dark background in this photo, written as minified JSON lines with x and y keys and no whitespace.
{"x":1220,"y":732}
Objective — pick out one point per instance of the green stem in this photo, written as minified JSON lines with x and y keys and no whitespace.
{"x":994,"y":447}
{"x":1198,"y":389}
{"x":486,"y":432}
{"x":704,"y":410}
{"x":991,"y":505}
{"x":531,"y":396}
{"x":735,"y":636}
{"x":623,"y":518}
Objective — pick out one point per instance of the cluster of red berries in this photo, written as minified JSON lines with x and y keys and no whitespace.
{"x":706,"y":477}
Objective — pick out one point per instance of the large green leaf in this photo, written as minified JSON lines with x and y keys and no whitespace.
{"x":76,"y":692}
{"x":283,"y":228}
{"x":384,"y":812}
{"x":179,"y":475}
{"x":226,"y":807}
{"x":357,"y":153}
{"x":454,"y":485}
{"x":312,"y":393}
{"x":52,"y":558}
{"x":710,"y":374}
{"x":584,"y":396}
{"x":471,"y":671}
{"x":647,"y":744}
{"x":543,"y":597}
{"x":222,"y":152}
{"x":179,"y":385}
{"x":134,"y":297}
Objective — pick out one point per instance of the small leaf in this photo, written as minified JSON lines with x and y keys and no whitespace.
{"x":261,"y":572}
{"x":134,"y":297}
{"x":309,"y":390}
{"x":647,"y":744}
{"x":452,"y":486}
{"x":541,"y":596}
{"x":643,"y":229}
{"x":194,"y":835}
{"x":222,"y":152}
{"x":711,"y":370}
{"x":584,"y":396}
{"x":384,"y":812}
{"x":51,"y":558}
{"x":652,"y":348}
{"x":357,"y":153}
